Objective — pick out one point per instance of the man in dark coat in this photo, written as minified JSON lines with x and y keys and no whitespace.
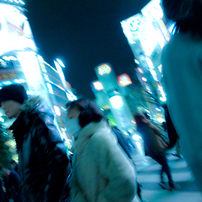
{"x":43,"y":160}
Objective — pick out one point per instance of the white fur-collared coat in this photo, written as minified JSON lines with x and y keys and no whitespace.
{"x":101,"y":170}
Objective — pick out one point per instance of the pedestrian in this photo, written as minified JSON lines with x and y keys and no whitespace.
{"x":42,"y":154}
{"x":155,"y":147}
{"x":101,"y":170}
{"x":172,"y":133}
{"x":11,"y":181}
{"x":182,"y":74}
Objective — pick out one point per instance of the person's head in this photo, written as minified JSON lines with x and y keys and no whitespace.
{"x":11,"y":98}
{"x":85,"y":110}
{"x":177,"y":9}
{"x":140,"y":119}
{"x":187,"y":15}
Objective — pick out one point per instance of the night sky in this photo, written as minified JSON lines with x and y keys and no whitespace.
{"x":83,"y":34}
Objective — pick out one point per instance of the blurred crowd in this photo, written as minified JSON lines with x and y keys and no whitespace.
{"x":101,"y":167}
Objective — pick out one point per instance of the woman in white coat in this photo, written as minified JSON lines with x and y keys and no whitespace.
{"x":101,"y":170}
{"x":182,"y":73}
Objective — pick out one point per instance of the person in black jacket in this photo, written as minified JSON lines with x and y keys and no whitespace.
{"x":12,"y":184}
{"x":43,"y":160}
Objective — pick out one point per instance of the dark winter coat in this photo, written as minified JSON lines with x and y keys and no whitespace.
{"x":43,"y":157}
{"x":172,"y":134}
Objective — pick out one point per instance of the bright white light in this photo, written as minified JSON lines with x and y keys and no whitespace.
{"x":140,"y":70}
{"x":160,"y":120}
{"x":19,"y":81}
{"x":8,"y":58}
{"x":160,"y":68}
{"x":73,"y":96}
{"x":98,"y":85}
{"x":171,"y":28}
{"x":144,"y":79}
{"x":154,"y":74}
{"x":69,"y":97}
{"x":163,"y":99}
{"x":57,"y":110}
{"x":46,"y":77}
{"x":7,"y":83}
{"x":21,"y":2}
{"x":136,"y":61}
{"x":147,"y":110}
{"x":60,"y":62}
{"x":29,"y":62}
{"x":136,"y":137}
{"x":116,"y":101}
{"x":69,"y":94}
{"x":50,"y":89}
{"x":162,"y":93}
{"x":149,"y":62}
{"x":148,"y":89}
{"x":139,"y":147}
{"x":30,"y":92}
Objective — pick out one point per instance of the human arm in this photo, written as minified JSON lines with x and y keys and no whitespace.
{"x":56,"y":162}
{"x":116,"y":168}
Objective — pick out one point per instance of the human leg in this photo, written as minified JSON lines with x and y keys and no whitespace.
{"x":161,"y":159}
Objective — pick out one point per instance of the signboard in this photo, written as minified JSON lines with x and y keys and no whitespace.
{"x":124,"y":80}
{"x":98,"y":85}
{"x":107,"y":77}
{"x":131,"y":27}
{"x":15,"y":32}
{"x":104,"y":69}
{"x":8,"y":74}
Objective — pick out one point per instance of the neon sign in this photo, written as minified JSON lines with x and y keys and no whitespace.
{"x":104,"y":69}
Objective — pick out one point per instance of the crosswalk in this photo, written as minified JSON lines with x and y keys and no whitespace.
{"x":148,"y":175}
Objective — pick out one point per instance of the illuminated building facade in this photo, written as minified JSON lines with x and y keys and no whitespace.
{"x":21,"y":64}
{"x":108,"y":93}
{"x":147,"y":32}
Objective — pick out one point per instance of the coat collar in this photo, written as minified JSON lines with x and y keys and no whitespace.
{"x":87,"y":132}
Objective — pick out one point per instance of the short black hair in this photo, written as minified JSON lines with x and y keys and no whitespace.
{"x":13,"y":92}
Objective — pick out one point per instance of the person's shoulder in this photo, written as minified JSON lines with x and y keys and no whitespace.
{"x":14,"y":174}
{"x":103,"y":137}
